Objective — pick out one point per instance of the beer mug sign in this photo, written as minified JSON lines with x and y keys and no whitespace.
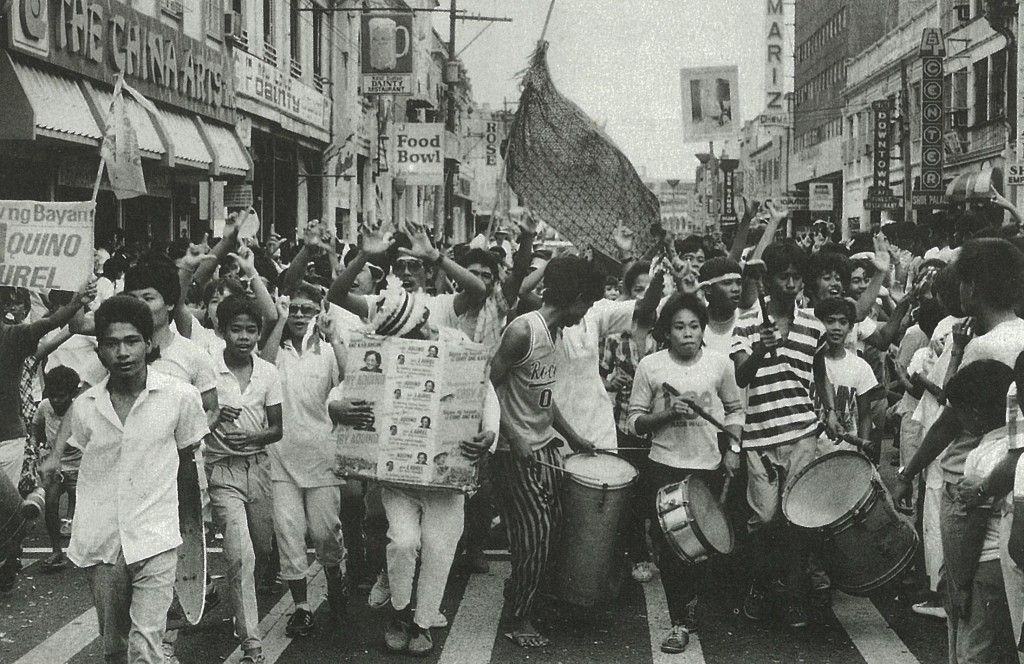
{"x":384,"y":40}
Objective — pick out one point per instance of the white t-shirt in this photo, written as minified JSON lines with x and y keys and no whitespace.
{"x":850,"y":377}
{"x":1004,"y":343}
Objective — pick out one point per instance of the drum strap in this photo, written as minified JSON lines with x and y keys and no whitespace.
{"x":769,"y":468}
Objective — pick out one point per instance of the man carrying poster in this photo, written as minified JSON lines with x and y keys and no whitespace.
{"x":424,"y":524}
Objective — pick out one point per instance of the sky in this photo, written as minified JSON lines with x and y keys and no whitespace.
{"x":619,"y":60}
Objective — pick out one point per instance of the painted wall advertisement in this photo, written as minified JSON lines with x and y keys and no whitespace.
{"x":277,"y":89}
{"x":427,"y":397}
{"x":710,"y":102}
{"x":486,"y":134}
{"x":46,"y":245}
{"x":418,"y":152}
{"x":387,"y":53}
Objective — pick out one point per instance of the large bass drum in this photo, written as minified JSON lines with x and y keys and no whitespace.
{"x":590,"y":562}
{"x":841,"y":496}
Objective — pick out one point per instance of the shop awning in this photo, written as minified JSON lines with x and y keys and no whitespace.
{"x":232,"y":157}
{"x":145,"y":130}
{"x":974,"y":187}
{"x":188,"y":143}
{"x":38,"y":103}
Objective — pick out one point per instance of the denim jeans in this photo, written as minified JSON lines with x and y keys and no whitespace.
{"x":131,"y":606}
{"x":242,"y":508}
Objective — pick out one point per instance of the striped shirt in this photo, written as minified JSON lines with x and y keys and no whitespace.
{"x":779,"y":407}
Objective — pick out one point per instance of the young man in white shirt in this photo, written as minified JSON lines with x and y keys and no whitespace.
{"x":238,"y":465}
{"x":138,"y":431}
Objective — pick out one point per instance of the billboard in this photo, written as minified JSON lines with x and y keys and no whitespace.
{"x":387,"y":53}
{"x":711,"y":104}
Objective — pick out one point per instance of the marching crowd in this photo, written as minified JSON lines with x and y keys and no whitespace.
{"x":221,"y":367}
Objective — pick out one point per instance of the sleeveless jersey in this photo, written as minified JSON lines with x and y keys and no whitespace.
{"x":526,"y":395}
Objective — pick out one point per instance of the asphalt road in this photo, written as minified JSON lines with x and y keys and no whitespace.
{"x":48,"y":618}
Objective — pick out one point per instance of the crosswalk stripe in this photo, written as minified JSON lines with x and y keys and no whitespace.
{"x":658,"y":623}
{"x":66,"y":642}
{"x":273,"y":624}
{"x":472,"y":635}
{"x":876,"y":641}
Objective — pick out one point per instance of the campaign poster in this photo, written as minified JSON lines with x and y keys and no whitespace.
{"x":711,"y":103}
{"x":427,"y":397}
{"x":46,"y":245}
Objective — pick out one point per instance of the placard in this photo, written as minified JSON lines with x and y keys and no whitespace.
{"x":819,"y":197}
{"x":711,"y":105}
{"x":427,"y":398}
{"x":238,"y":195}
{"x":417,"y":153}
{"x":46,"y":245}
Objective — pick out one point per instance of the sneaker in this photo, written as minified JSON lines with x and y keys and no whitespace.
{"x":796,"y":615}
{"x":643,"y":571}
{"x":380,"y":593}
{"x":169,"y":657}
{"x":753,"y":604}
{"x":300,"y":624}
{"x":676,"y":641}
{"x":420,"y":641}
{"x":692,"y":623}
{"x":337,"y":591}
{"x":930,"y":608}
{"x":396,"y":632}
{"x":253,"y":657}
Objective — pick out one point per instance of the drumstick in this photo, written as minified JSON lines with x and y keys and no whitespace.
{"x":700,"y":411}
{"x":725,"y":489}
{"x":764,"y":313}
{"x":581,"y":476}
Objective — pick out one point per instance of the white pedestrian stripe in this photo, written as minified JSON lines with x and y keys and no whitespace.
{"x":876,"y":641}
{"x":273,"y":624}
{"x":66,"y":642}
{"x":658,"y":623}
{"x":472,"y":635}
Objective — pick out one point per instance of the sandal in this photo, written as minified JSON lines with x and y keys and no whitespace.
{"x":528,"y":639}
{"x":57,"y":561}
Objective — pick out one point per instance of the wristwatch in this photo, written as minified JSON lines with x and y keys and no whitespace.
{"x":901,"y":475}
{"x":735,"y":448}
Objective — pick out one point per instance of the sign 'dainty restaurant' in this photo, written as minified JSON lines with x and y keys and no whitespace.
{"x":101,"y":38}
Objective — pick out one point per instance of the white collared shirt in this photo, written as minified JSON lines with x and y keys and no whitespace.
{"x":263,"y":390}
{"x":127,"y":481}
{"x":305,"y":454}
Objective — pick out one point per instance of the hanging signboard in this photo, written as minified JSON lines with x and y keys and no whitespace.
{"x":728,"y":167}
{"x":417,"y":153}
{"x":46,"y":245}
{"x":710,"y":102}
{"x":930,"y":193}
{"x":387,"y":53}
{"x":819,"y":197}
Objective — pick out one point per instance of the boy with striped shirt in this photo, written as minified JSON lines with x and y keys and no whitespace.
{"x":774,"y":361}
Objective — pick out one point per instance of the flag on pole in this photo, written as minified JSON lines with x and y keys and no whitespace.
{"x":569,"y":172}
{"x":120,"y":149}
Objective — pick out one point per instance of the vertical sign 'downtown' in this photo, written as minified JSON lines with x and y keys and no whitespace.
{"x":933,"y":49}
{"x":880,"y":196}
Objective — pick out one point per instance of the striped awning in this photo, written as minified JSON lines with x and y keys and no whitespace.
{"x":145,"y":131}
{"x":39,"y":103}
{"x":232,"y":157}
{"x":976,"y":186}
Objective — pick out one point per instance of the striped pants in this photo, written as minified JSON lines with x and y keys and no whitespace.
{"x":530,"y":504}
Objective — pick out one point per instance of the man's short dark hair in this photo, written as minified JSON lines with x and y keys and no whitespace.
{"x":160,"y":274}
{"x":238,"y":305}
{"x":124,"y":309}
{"x":570,"y":278}
{"x":60,"y":379}
{"x":928,"y":316}
{"x":780,"y":256}
{"x":481,"y":257}
{"x":982,"y":385}
{"x":824,"y":262}
{"x":689,"y":244}
{"x":996,"y":270}
{"x":836,"y":305}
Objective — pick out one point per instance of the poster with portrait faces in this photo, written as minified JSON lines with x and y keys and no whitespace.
{"x":427,"y":397}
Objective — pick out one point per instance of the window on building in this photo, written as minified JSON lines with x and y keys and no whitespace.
{"x":997,"y":86}
{"x":981,"y":91}
{"x":295,"y":31}
{"x":960,"y":90}
{"x":318,"y":45}
{"x":213,"y":18}
{"x":268,"y":23}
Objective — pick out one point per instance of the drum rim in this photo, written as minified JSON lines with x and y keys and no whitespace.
{"x":803,"y":471}
{"x":588,"y":483}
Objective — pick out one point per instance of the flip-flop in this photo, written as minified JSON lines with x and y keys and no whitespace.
{"x":520,"y":639}
{"x":55,"y":562}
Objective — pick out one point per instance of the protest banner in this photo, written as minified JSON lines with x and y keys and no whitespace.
{"x":427,"y":397}
{"x":710,"y":102}
{"x":46,"y":245}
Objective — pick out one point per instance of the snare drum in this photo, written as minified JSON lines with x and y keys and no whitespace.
{"x":694,"y":524}
{"x":841,"y":496}
{"x":589,"y":561}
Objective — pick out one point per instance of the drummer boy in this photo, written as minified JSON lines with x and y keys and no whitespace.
{"x":684,"y":446}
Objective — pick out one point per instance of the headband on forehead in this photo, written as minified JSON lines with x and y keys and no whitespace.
{"x":728,"y":276}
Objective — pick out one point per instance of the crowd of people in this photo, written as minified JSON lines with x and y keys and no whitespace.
{"x":219,"y":366}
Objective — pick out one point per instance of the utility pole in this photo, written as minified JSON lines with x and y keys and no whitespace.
{"x":905,"y":145}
